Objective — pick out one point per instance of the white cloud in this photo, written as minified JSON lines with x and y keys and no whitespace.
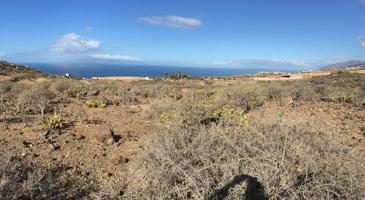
{"x":362,"y":40}
{"x":224,"y":62}
{"x":116,"y":57}
{"x":88,"y":28}
{"x":74,"y":43}
{"x":2,"y":53}
{"x":172,"y":21}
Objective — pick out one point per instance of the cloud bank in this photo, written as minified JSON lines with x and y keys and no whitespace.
{"x":74,"y":43}
{"x":172,"y":21}
{"x":116,"y":57}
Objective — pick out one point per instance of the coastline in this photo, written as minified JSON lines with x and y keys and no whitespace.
{"x":121,"y":78}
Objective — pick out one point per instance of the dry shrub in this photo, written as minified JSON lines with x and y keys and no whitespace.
{"x":120,"y":94}
{"x":61,"y":85}
{"x":352,"y":96}
{"x":173,"y":93}
{"x":80,"y":115}
{"x":19,"y":179}
{"x":149,"y":90}
{"x":302,"y":91}
{"x":345,"y":87}
{"x":6,"y":86}
{"x":4,"y":108}
{"x":70,"y":87}
{"x":188,"y":112}
{"x":289,"y":162}
{"x":156,"y":107}
{"x":276,"y":91}
{"x":78,"y":91}
{"x":246,"y":98}
{"x":199,"y":95}
{"x":38,"y":98}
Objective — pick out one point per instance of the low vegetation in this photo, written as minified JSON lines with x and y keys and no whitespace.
{"x":95,"y":103}
{"x":54,"y":122}
{"x":183,"y":138}
{"x":20,"y":179}
{"x":178,"y":76}
{"x":278,"y":160}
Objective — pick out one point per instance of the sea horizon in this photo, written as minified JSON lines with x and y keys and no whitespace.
{"x":88,"y":70}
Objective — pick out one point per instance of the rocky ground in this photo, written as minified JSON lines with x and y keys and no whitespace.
{"x":98,"y":147}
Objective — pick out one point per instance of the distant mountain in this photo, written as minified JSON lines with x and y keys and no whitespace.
{"x":18,"y":72}
{"x":348,"y":64}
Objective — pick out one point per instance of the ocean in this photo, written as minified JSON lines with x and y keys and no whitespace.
{"x":102,"y":70}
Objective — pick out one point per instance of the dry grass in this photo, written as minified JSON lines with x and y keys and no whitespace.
{"x":19,"y":179}
{"x":205,"y":147}
{"x":200,"y":162}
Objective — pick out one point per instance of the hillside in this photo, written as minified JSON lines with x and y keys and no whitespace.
{"x":221,"y":138}
{"x":18,"y":72}
{"x":343,"y":65}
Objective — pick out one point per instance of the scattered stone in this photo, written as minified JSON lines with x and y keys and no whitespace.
{"x":110,"y":141}
{"x":44,"y":134}
{"x":54,"y":146}
{"x":118,"y":159}
{"x":325,"y":99}
{"x":134,"y":109}
{"x":103,"y":134}
{"x":79,"y":136}
{"x":24,"y":154}
{"x":27,"y":144}
{"x":18,"y":132}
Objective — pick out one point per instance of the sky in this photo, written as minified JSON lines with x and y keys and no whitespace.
{"x":212,"y":33}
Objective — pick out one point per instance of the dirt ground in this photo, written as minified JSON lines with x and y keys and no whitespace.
{"x":87,"y":158}
{"x":76,"y":148}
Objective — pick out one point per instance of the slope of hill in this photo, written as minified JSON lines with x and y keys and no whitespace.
{"x":65,"y":138}
{"x":19,"y":72}
{"x":348,"y":64}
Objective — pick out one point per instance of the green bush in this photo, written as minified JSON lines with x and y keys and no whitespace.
{"x":232,"y":115}
{"x":95,"y":103}
{"x":178,"y":76}
{"x":54,"y":122}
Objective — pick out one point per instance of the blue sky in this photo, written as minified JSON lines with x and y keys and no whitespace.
{"x":221,"y":33}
